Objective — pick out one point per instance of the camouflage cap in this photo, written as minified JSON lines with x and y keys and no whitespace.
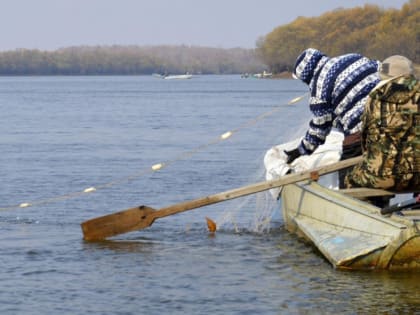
{"x":396,"y":65}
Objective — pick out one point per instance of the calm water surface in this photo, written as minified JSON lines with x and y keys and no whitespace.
{"x":61,"y":135}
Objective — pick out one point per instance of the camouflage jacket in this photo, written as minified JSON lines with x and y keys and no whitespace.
{"x":390,"y":137}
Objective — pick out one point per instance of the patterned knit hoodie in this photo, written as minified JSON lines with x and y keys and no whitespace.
{"x":338,"y":88}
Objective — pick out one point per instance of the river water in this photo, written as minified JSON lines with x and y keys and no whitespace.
{"x":62,"y":135}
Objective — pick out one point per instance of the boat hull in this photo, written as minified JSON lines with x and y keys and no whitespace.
{"x":351,"y":233}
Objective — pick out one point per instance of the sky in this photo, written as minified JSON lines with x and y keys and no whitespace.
{"x":54,"y":24}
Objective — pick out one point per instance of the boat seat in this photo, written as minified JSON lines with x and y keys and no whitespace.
{"x":376,"y":196}
{"x":362,"y":193}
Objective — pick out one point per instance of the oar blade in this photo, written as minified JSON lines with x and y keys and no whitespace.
{"x":117,"y":223}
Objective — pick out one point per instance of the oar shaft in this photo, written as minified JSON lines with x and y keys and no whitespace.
{"x":254,"y":188}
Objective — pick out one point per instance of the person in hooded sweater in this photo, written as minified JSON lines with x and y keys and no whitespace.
{"x":339,"y":87}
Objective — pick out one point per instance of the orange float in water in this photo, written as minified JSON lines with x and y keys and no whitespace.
{"x":211,"y":225}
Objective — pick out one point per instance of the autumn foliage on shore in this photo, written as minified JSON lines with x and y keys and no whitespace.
{"x":369,"y":30}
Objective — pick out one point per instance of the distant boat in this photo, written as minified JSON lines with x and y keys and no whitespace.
{"x":172,"y":77}
{"x":263,"y":75}
{"x":179,"y":76}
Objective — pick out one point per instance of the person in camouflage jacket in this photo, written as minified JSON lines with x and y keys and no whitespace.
{"x":390,"y":137}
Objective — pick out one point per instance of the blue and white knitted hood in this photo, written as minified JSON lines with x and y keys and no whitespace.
{"x":307,"y":62}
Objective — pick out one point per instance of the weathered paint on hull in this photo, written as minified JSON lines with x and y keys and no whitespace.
{"x":407,"y":256}
{"x":350,"y":233}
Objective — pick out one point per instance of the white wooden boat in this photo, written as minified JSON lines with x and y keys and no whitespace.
{"x":178,"y":77}
{"x":352,"y":233}
{"x":172,"y":77}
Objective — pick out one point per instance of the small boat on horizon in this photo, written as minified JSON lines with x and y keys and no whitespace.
{"x":178,"y":76}
{"x":173,"y":76}
{"x":263,"y":75}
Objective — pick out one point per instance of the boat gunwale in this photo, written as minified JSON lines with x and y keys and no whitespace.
{"x":373,"y":212}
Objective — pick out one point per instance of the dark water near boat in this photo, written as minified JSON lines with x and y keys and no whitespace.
{"x":61,"y":135}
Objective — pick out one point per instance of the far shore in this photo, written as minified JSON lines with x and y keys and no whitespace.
{"x":288,"y":75}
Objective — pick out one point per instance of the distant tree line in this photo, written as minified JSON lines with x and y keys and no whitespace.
{"x":129,"y":60}
{"x":369,"y":30}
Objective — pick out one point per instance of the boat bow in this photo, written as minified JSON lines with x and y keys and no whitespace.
{"x":349,"y":232}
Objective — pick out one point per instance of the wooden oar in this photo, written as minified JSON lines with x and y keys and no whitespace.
{"x":138,"y":218}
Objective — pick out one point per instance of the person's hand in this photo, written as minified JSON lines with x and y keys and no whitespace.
{"x":292,"y":155}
